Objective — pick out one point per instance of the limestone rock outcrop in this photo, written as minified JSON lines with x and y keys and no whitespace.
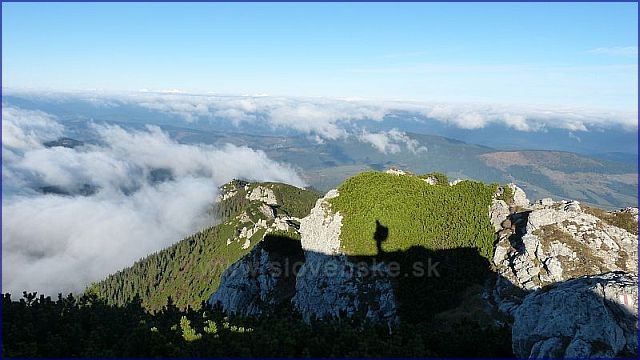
{"x":519,"y":196}
{"x":592,"y":316}
{"x":262,"y":279}
{"x":558,"y":241}
{"x":263,"y":194}
{"x":320,"y":230}
{"x":325,"y":285}
{"x":498,"y":213}
{"x":329,"y":285}
{"x":566,"y":277}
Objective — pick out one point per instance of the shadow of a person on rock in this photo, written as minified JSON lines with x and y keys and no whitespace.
{"x":427,"y":281}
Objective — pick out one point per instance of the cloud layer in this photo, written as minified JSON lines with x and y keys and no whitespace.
{"x":336,"y":118}
{"x":327,"y":117}
{"x":107,"y":204}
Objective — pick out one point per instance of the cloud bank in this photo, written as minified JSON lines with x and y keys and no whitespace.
{"x":327,"y":117}
{"x":73,"y":215}
{"x":332,"y":119}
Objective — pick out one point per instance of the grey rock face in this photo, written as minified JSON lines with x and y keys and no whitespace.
{"x":329,"y":287}
{"x":246,"y":285}
{"x":498,"y":213}
{"x":267,"y":211}
{"x":558,"y":242}
{"x":263,"y":194}
{"x":320,"y":230}
{"x":260,"y":280}
{"x":593,"y":316}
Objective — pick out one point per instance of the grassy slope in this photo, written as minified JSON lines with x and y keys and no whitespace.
{"x":416,"y":213}
{"x":622,"y":220}
{"x":190,"y":270}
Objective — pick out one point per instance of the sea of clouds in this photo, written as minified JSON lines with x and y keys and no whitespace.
{"x":62,"y":241}
{"x":323,"y":119}
{"x":326,"y":117}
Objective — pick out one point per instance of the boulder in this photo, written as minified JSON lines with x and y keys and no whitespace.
{"x":592,"y":316}
{"x":572,"y":206}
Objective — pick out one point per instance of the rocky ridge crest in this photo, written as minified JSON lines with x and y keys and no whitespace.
{"x":564,"y":276}
{"x":567,"y":278}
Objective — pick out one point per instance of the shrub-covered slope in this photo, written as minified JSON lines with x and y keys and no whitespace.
{"x":436,"y":217}
{"x":190,"y":270}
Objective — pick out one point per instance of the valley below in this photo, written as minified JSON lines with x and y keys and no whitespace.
{"x":387,"y":263}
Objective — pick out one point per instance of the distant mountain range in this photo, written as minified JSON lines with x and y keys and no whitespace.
{"x":559,"y":174}
{"x":598,"y":166}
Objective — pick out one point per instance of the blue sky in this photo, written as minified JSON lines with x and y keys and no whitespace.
{"x":573,"y":54}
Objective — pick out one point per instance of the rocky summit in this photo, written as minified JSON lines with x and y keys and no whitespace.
{"x":563,"y":274}
{"x":412,"y":255}
{"x":325,"y":286}
{"x":568,"y":277}
{"x":549,"y":242}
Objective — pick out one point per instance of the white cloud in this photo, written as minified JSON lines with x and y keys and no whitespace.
{"x":57,"y":243}
{"x":335,"y":118}
{"x":309,"y":116}
{"x":24,"y":129}
{"x":631,"y":51}
{"x":574,"y":136}
{"x":390,"y":142}
{"x":520,"y":118}
{"x":380,"y":141}
{"x":329,"y":118}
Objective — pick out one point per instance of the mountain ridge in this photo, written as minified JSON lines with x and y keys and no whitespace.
{"x":189,"y":270}
{"x":541,"y":255}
